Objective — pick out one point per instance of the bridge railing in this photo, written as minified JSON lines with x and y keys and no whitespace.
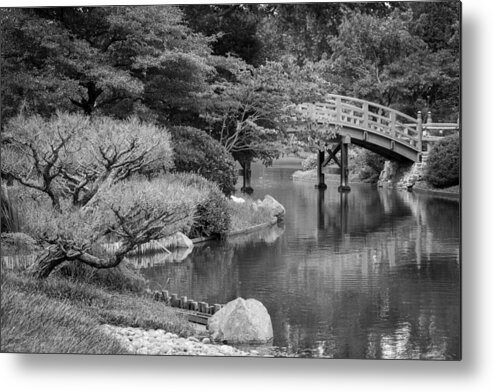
{"x":354,"y":112}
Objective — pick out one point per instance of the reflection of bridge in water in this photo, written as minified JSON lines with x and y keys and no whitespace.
{"x":410,"y":231}
{"x":378,"y":259}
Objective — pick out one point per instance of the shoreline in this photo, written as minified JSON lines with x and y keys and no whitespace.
{"x":143,"y":339}
{"x":418,"y":188}
{"x":437,"y":192}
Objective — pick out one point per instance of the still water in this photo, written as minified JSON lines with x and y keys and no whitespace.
{"x":371,"y":274}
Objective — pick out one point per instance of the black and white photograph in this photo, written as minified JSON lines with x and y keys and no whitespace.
{"x":255,"y":180}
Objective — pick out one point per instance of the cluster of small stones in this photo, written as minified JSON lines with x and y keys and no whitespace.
{"x":160,"y":342}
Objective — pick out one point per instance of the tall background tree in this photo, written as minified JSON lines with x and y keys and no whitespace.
{"x":114,"y":60}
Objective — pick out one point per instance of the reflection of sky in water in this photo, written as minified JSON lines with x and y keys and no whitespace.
{"x":371,"y":274}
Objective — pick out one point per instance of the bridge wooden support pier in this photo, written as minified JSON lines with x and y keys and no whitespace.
{"x":320,"y":175}
{"x":247,"y":177}
{"x":342,"y":146}
{"x":345,"y":142}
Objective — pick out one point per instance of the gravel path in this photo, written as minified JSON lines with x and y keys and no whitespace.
{"x":160,"y":342}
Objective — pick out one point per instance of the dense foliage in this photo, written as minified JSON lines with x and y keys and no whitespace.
{"x":234,"y":26}
{"x":114,"y":60}
{"x":197,"y":152}
{"x":366,"y":164}
{"x":212,"y":216}
{"x":443,"y":166}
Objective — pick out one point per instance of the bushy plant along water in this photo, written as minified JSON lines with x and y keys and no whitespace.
{"x":443,"y":165}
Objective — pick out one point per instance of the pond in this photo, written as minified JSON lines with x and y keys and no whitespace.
{"x":374,"y":273}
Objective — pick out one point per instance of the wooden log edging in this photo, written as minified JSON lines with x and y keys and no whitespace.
{"x":198,"y":240}
{"x":197,"y":312}
{"x":251,"y":228}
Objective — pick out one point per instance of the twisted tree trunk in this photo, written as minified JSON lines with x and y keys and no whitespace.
{"x":47,"y":261}
{"x":56,"y":255}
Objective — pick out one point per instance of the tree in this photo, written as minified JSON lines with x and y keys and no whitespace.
{"x":75,"y":156}
{"x":234,"y":28}
{"x":249,"y":112}
{"x":107,"y":59}
{"x":370,"y":52}
{"x":131,"y":212}
{"x":47,"y":64}
{"x":88,"y":168}
{"x":438,"y":25}
{"x":305,"y":30}
{"x":390,"y":61}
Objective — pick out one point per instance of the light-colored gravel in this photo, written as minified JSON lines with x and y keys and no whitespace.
{"x":160,"y":342}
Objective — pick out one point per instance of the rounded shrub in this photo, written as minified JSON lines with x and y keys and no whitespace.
{"x":212,"y":215}
{"x":197,"y":152}
{"x":443,"y":166}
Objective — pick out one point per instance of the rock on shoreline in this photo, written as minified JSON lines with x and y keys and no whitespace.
{"x":160,"y":342}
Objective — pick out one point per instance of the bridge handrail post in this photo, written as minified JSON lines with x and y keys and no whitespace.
{"x":429,"y":120}
{"x":365,"y":115}
{"x":419,"y":128}
{"x":338,"y":109}
{"x":392,"y":123}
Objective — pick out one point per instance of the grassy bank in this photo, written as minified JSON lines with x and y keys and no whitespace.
{"x":62,"y":314}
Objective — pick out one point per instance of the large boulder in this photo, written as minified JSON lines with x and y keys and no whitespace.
{"x":276,"y":209}
{"x":180,"y":240}
{"x":242,"y":321}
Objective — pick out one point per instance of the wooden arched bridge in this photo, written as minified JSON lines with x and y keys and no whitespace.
{"x":381,"y":129}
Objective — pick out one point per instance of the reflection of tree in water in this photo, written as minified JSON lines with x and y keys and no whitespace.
{"x":442,"y":216}
{"x":210,"y":273}
{"x":267,"y":235}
